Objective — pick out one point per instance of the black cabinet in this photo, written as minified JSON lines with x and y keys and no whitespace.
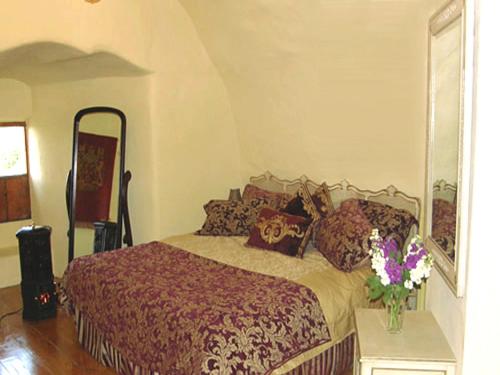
{"x":37,"y":279}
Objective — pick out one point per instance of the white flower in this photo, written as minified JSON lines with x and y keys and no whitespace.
{"x":422,"y":270}
{"x":416,"y":239}
{"x":415,"y":248}
{"x":384,"y":278}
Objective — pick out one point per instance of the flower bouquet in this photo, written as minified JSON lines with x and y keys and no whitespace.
{"x":396,"y":274}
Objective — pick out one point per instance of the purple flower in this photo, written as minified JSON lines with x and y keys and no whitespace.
{"x":394,"y":270}
{"x":390,"y":248}
{"x":413,"y":258}
{"x":414,"y":247}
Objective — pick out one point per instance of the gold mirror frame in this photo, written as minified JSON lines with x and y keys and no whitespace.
{"x":453,"y":272}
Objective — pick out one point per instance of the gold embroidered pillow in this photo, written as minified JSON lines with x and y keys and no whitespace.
{"x":278,"y":231}
{"x":230,"y":218}
{"x":302,"y":205}
{"x":273,"y":199}
{"x":322,"y":200}
{"x":343,"y":237}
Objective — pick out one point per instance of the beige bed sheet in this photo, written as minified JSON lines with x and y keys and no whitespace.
{"x":338,"y":292}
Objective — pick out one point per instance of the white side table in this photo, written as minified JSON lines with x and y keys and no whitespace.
{"x":421,"y":349}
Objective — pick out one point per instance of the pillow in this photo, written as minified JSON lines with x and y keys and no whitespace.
{"x":230,"y":218}
{"x":302,"y":205}
{"x":322,"y":200}
{"x":343,"y":237}
{"x":271,"y":198}
{"x":390,"y":222}
{"x":278,"y":231}
{"x":444,"y":216}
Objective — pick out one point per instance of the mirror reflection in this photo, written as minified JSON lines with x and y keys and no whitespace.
{"x":446,"y":81}
{"x":97,"y":186}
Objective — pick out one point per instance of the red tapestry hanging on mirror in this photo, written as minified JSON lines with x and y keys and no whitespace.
{"x":96,"y":161}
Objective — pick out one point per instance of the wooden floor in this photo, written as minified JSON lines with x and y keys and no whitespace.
{"x":46,"y":347}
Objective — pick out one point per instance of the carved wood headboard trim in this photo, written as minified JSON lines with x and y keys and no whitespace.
{"x":341,"y":191}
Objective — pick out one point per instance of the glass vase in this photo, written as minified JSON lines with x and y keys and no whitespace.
{"x":395,"y":315}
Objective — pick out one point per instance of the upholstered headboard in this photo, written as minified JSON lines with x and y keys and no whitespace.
{"x":341,"y":191}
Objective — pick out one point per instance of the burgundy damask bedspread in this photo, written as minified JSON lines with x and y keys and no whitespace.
{"x":170,"y":311}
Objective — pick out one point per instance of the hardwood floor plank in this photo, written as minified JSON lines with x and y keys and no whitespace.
{"x":46,"y":347}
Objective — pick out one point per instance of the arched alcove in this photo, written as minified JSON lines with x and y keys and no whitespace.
{"x":49,"y":62}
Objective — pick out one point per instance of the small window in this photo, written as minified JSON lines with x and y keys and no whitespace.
{"x":14,"y":176}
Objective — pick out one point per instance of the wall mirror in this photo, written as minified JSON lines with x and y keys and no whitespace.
{"x":447,"y":187}
{"x":97,"y":183}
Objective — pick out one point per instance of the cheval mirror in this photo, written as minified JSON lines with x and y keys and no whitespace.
{"x":447,"y":141}
{"x":96,"y":192}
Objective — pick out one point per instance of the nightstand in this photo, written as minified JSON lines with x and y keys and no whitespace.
{"x":421,"y":349}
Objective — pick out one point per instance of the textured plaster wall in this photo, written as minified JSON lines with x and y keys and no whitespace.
{"x":181,"y":143}
{"x":15,"y":105}
{"x":117,"y":26}
{"x":332,"y":89}
{"x":196,"y":153}
{"x":54,"y":107}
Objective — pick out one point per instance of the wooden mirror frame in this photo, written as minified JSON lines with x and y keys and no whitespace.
{"x":124,"y":178}
{"x":452,"y":272}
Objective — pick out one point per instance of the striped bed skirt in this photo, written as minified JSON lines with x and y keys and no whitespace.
{"x":333,"y":361}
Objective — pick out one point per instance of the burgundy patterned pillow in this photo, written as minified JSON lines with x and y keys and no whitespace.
{"x":278,"y":231}
{"x":230,"y":218}
{"x":343,"y":236}
{"x":273,"y":199}
{"x":393,"y":222}
{"x":322,"y":200}
{"x":444,"y":215}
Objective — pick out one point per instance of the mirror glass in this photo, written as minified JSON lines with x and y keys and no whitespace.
{"x":97,"y":185}
{"x":98,"y":177}
{"x":446,"y":68}
{"x":448,"y":145}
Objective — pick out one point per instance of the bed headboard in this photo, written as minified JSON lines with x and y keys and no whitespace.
{"x":443,"y":190}
{"x":342,"y":191}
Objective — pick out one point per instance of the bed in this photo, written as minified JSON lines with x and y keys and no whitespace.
{"x":235,"y":310}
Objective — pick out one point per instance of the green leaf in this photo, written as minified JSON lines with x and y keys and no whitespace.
{"x":375,"y":294}
{"x":375,"y":288}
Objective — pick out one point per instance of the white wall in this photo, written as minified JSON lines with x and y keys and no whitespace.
{"x":482,"y":302}
{"x":15,"y":105}
{"x":181,"y":142}
{"x":331,"y":89}
{"x":54,"y":108}
{"x":196,"y":153}
{"x":117,"y":26}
